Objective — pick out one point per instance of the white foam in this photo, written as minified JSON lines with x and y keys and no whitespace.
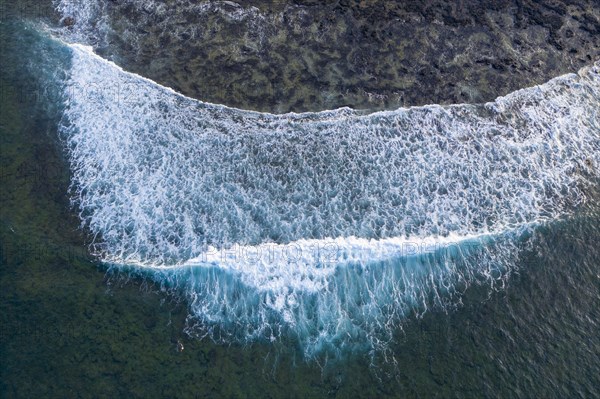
{"x":305,"y":265}
{"x":92,"y":20}
{"x":201,"y":193}
{"x":88,"y":19}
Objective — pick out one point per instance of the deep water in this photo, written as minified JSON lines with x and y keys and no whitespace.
{"x":71,"y":328}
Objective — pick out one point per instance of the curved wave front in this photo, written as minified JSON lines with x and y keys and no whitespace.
{"x":331,"y":226}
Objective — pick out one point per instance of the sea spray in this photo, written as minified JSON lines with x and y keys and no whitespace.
{"x":173,"y":187}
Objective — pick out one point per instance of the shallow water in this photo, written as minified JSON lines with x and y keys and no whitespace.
{"x":74,"y":329}
{"x":303,"y":55}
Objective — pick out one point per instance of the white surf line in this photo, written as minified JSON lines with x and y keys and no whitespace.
{"x":151,"y":177}
{"x":355,"y":114}
{"x":326,"y":252}
{"x":459,"y":151}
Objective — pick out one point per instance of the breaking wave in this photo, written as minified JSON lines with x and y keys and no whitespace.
{"x":330,"y":227}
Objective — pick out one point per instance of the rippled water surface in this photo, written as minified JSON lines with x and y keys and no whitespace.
{"x":157,"y":244}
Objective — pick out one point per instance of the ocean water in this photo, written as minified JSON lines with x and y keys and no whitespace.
{"x":332,"y":225}
{"x":341,"y":235}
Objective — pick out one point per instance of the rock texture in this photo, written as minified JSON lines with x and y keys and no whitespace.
{"x":309,"y":55}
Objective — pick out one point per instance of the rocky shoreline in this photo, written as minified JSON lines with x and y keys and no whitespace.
{"x":307,"y":55}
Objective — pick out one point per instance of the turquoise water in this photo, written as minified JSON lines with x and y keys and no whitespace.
{"x":514,"y":313}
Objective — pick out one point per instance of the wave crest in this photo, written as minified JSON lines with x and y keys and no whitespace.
{"x":163,"y":180}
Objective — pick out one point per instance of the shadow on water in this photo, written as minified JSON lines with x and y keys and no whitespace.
{"x":67,"y":330}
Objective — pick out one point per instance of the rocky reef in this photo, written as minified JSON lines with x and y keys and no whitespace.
{"x":372,"y":54}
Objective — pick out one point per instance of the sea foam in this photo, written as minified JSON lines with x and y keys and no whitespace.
{"x":328,"y":226}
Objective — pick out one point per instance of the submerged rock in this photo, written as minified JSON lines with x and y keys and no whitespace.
{"x":68,"y":22}
{"x":373,"y":54}
{"x":364,"y":54}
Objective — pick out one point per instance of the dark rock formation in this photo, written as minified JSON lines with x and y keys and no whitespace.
{"x":310,"y":55}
